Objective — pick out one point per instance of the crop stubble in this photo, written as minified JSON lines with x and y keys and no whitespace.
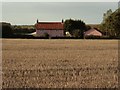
{"x":59,"y":63}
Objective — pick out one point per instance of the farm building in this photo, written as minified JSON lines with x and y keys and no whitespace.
{"x":92,"y":32}
{"x":52,"y":29}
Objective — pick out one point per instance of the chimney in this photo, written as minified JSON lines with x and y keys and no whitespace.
{"x":62,"y":21}
{"x":37,"y":21}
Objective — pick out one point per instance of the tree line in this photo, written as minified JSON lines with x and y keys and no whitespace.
{"x":23,"y":29}
{"x":9,"y":30}
{"x":109,"y":27}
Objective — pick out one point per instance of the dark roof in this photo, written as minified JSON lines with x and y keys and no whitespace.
{"x":49,"y":26}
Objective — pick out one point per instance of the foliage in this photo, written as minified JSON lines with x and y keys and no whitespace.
{"x":88,"y":27}
{"x":7,"y":30}
{"x":111,"y":26}
{"x":22,"y":29}
{"x":46,"y":35}
{"x":75,"y":27}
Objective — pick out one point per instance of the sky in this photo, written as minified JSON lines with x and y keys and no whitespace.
{"x":59,"y":0}
{"x":27,"y":13}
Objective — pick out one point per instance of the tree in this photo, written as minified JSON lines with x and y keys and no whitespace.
{"x":75,"y":27}
{"x":112,"y":24}
{"x":68,"y":25}
{"x":6,"y":30}
{"x":88,"y":27}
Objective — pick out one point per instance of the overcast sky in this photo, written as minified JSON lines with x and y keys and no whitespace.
{"x":29,"y":12}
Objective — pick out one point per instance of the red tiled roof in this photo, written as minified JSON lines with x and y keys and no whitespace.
{"x":49,"y":26}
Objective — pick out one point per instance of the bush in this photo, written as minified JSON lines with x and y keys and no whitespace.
{"x":6,"y":30}
{"x":46,"y":35}
{"x":92,"y":37}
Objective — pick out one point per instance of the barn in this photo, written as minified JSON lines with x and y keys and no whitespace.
{"x":53,"y":29}
{"x":92,"y":32}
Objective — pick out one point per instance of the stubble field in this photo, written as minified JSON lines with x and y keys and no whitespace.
{"x":28,"y":63}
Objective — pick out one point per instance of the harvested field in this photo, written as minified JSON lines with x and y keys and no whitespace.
{"x":59,"y":63}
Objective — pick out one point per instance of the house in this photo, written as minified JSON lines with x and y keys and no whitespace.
{"x":52,"y":29}
{"x":92,"y":32}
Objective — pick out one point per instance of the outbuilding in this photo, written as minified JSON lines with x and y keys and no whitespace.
{"x":92,"y":32}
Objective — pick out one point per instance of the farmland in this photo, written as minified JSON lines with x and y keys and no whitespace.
{"x":55,"y":63}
